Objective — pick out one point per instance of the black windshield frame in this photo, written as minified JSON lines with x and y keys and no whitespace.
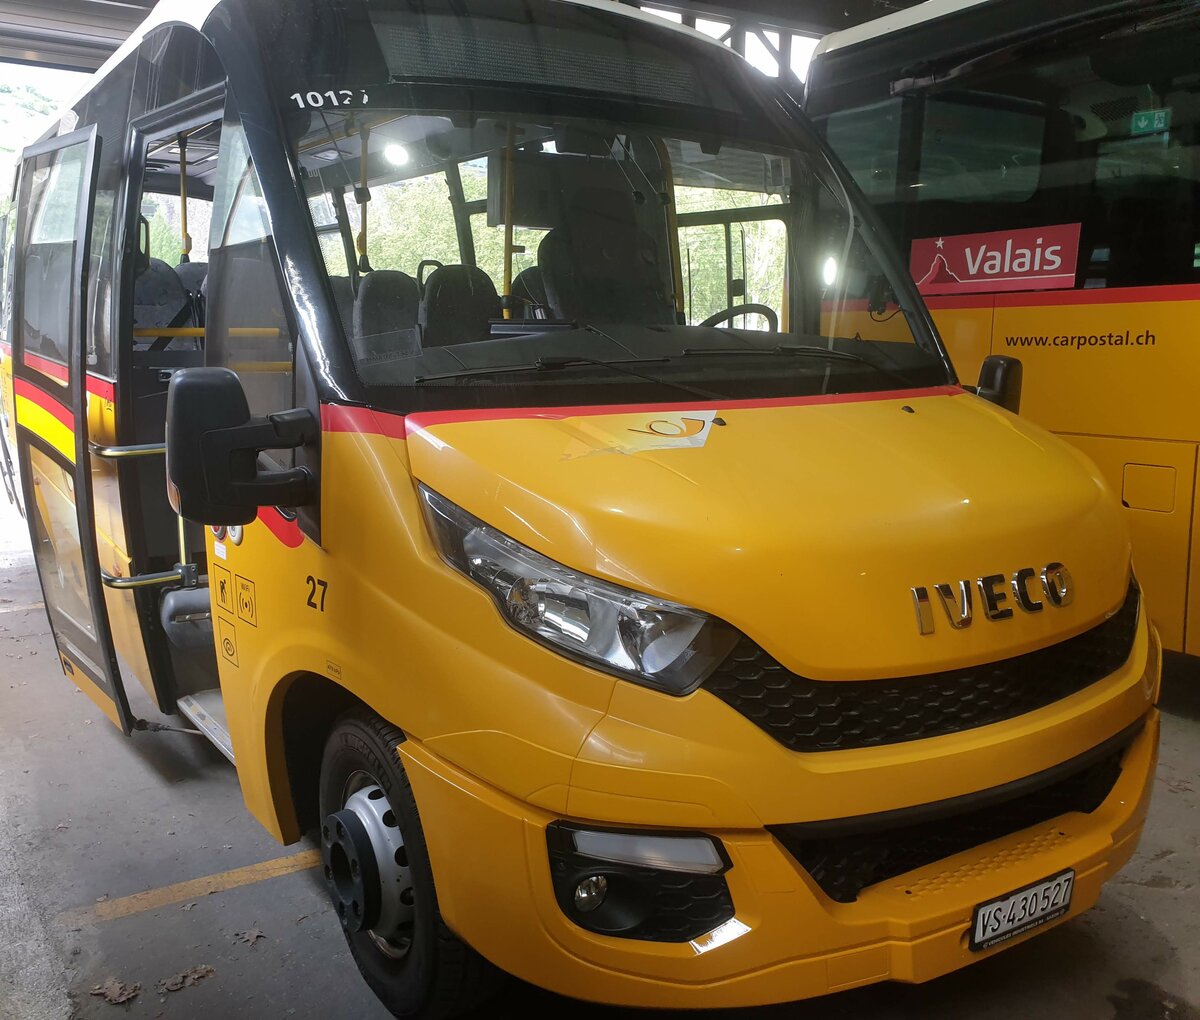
{"x":768,"y":116}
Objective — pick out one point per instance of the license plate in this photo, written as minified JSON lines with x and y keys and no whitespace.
{"x":1000,"y":920}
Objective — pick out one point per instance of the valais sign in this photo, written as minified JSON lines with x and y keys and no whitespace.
{"x":1040,"y":258}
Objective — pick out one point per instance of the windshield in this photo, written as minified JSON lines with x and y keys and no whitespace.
{"x":540,"y":204}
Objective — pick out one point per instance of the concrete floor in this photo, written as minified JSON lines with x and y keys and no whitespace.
{"x":88,"y":816}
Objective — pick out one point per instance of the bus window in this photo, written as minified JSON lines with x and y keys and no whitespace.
{"x":1104,"y":136}
{"x":162,"y":212}
{"x":706,"y":270}
{"x":977,"y":149}
{"x":411,"y":220}
{"x":730,"y":254}
{"x":329,"y":234}
{"x":48,"y":299}
{"x":488,"y":237}
{"x":248,"y":329}
{"x":868,"y":141}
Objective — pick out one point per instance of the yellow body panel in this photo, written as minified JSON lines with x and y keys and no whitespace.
{"x":839,"y":509}
{"x":47,"y":426}
{"x":7,"y":399}
{"x":800,"y":944}
{"x":791,"y":515}
{"x":1111,"y":371}
{"x":111,"y":546}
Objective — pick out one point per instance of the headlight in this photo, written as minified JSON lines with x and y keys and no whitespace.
{"x":638,"y":637}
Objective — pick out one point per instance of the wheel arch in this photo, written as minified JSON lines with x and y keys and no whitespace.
{"x":303,"y":710}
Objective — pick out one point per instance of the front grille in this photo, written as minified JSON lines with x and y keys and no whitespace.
{"x":825,"y":715}
{"x":860,"y":853}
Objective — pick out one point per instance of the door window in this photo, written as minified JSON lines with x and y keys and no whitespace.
{"x":248,"y":328}
{"x":53,"y":191}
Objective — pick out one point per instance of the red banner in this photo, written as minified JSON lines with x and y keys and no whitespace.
{"x":1038,"y":258}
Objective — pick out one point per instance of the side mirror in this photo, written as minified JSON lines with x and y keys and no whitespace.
{"x":1000,"y":381}
{"x":213,"y":444}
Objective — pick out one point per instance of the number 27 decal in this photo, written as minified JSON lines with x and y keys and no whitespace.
{"x":316,"y":601}
{"x":332,"y":97}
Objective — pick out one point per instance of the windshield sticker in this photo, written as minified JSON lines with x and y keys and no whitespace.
{"x":1036,"y":258}
{"x":639,"y":433}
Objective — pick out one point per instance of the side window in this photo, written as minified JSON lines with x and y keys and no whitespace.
{"x":980,"y":149}
{"x":163,"y":213}
{"x":108,"y":109}
{"x":867,"y":140}
{"x":729,"y":253}
{"x":7,"y":247}
{"x":52,"y":192}
{"x":248,"y":327}
{"x":489,"y":240}
{"x":411,"y":220}
{"x":329,"y":234}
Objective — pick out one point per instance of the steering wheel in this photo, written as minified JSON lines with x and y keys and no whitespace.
{"x":766,"y":311}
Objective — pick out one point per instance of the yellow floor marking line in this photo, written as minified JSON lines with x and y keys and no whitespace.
{"x":152,"y":899}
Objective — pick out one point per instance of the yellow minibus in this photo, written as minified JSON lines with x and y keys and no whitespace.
{"x":503,"y":428}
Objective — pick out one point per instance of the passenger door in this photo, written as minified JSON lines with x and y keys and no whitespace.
{"x":57,"y":188}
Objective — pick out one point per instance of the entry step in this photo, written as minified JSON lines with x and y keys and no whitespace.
{"x":207,"y":711}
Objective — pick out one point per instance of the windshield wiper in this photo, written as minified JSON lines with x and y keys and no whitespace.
{"x":554,"y":362}
{"x":801,"y":350}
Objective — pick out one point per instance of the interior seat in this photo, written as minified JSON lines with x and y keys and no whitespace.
{"x":159,"y":297}
{"x":457,"y":307}
{"x":599,"y":264}
{"x":387,"y":300}
{"x":192,"y":275}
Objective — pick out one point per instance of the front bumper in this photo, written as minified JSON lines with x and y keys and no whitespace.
{"x":490,"y":865}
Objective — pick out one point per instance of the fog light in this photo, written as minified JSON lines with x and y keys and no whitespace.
{"x":590,"y":893}
{"x":653,"y":886}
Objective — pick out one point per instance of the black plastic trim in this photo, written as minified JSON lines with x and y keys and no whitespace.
{"x":882,"y":820}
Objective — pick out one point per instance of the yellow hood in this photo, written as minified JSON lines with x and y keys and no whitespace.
{"x":806,"y":525}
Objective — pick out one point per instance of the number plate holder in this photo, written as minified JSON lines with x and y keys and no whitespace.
{"x":1022,"y":911}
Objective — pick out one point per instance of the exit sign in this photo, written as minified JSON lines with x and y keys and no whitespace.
{"x":1149,"y":122}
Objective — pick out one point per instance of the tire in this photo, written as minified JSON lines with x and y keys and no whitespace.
{"x":438,"y":975}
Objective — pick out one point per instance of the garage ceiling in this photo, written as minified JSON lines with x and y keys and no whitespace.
{"x":80,"y":34}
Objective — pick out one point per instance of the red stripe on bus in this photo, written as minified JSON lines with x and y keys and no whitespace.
{"x":26,"y":389}
{"x":1084,"y":298}
{"x":344,"y":418}
{"x":102,"y":388}
{"x":54,"y":369}
{"x":287,"y":531}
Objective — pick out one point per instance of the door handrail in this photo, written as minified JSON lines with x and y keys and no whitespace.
{"x":125,"y":452}
{"x":141,"y":580}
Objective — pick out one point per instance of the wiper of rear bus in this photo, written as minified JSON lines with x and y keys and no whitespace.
{"x":552,"y":362}
{"x":800,"y":350}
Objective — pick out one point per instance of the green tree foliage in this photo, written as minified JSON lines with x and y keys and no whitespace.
{"x":756,"y":253}
{"x":162,"y":212}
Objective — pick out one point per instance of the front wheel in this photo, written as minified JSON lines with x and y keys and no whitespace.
{"x":379,"y":878}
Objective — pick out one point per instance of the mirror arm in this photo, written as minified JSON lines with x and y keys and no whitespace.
{"x":232,"y":456}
